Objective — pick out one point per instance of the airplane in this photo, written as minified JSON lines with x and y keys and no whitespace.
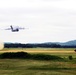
{"x":14,"y":29}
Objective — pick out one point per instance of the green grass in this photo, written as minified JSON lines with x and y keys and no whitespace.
{"x":34,"y":67}
{"x":40,"y":49}
{"x":51,"y":51}
{"x":39,"y":67}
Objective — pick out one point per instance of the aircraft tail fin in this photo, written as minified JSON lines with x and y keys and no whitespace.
{"x":11,"y":27}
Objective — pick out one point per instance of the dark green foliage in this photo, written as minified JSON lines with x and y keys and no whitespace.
{"x":42,"y":45}
{"x":14,"y":55}
{"x":45,"y":57}
{"x":70,"y":57}
{"x":19,"y":45}
{"x":26,"y":55}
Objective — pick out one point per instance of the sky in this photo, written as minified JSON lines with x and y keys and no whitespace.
{"x":44,"y":20}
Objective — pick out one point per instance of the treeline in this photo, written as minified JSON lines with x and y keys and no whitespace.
{"x":43,"y":45}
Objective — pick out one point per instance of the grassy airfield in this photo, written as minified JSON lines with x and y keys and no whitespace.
{"x":64,"y":52}
{"x":39,"y":67}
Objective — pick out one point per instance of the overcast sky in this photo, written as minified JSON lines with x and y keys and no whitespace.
{"x":47,"y":20}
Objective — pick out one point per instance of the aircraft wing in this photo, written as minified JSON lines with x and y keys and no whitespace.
{"x":8,"y":29}
{"x":21,"y":28}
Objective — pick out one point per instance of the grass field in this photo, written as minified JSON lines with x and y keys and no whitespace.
{"x":64,"y":52}
{"x":39,"y":67}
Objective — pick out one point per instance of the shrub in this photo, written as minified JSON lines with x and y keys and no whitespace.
{"x":70,"y":57}
{"x":45,"y":57}
{"x":26,"y":55}
{"x":15,"y":55}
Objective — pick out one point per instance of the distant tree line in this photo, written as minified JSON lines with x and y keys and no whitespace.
{"x":43,"y":45}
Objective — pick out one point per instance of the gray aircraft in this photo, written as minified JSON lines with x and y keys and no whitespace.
{"x":15,"y":28}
